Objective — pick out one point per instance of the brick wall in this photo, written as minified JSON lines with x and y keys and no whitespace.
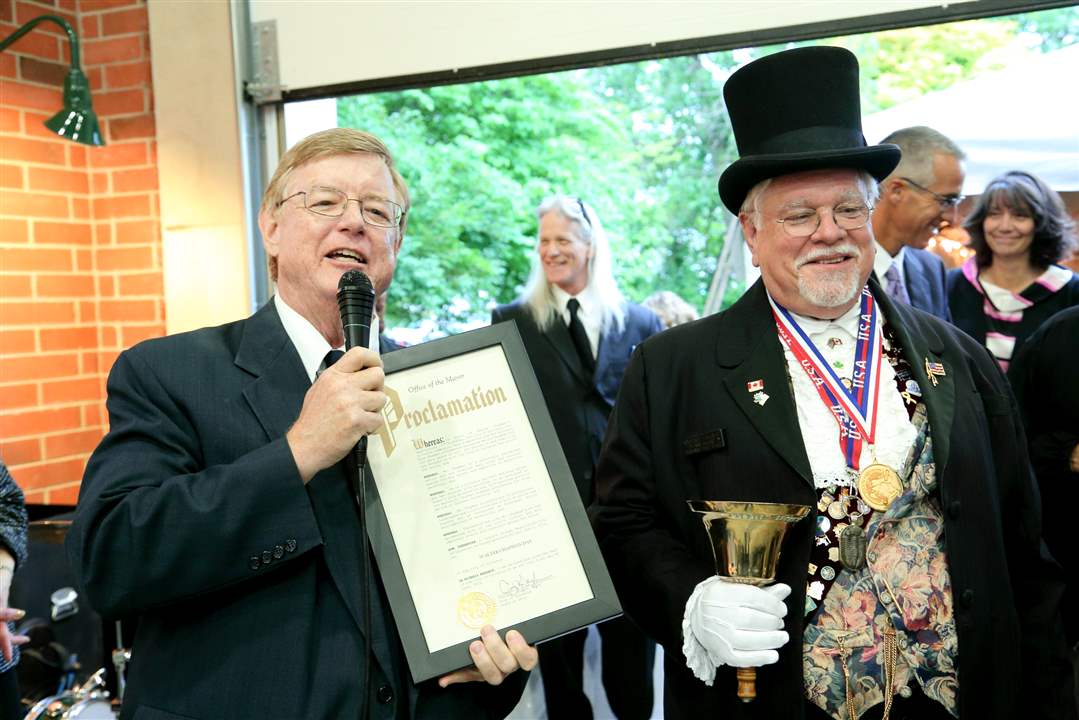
{"x":80,"y":241}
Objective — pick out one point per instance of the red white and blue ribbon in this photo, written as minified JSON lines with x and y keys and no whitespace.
{"x":855,"y":410}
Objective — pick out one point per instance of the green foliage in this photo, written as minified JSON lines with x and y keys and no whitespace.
{"x":643,"y":142}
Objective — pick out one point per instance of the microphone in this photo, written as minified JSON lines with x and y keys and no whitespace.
{"x":356,"y":301}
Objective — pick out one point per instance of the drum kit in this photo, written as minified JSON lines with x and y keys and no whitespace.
{"x":56,"y":683}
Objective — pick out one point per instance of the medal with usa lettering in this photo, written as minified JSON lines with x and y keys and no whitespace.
{"x":854,"y":405}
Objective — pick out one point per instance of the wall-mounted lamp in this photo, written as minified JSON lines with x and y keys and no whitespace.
{"x":76,"y":121}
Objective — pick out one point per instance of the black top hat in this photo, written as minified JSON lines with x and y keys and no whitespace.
{"x":793,"y":111}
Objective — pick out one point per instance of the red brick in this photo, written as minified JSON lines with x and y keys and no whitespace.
{"x":87,"y":312}
{"x":130,"y":128}
{"x":37,"y":497}
{"x":80,"y":208}
{"x":69,"y":338}
{"x":96,"y":77}
{"x":141,"y":231}
{"x":69,"y":181}
{"x":63,"y":494}
{"x":133,"y":334}
{"x":36,"y":313}
{"x":128,"y":311}
{"x":88,"y":362}
{"x":93,"y":415}
{"x":91,"y":26}
{"x":7,"y":14}
{"x":62,"y":233}
{"x":40,"y":45}
{"x":108,"y":336}
{"x":37,"y":367}
{"x":106,"y":286}
{"x":62,"y":392}
{"x":18,"y":396}
{"x":20,"y":452}
{"x":119,"y":155}
{"x":35,"y":151}
{"x":142,"y":284}
{"x":119,"y":206}
{"x":12,"y":286}
{"x":14,"y":231}
{"x":78,"y":285}
{"x":110,"y":50}
{"x":37,"y":476}
{"x":25,"y":12}
{"x":125,"y":21}
{"x":10,"y":120}
{"x":13,"y":342}
{"x":33,"y":204}
{"x":7,"y":66}
{"x":120,"y":102}
{"x":11,"y":176}
{"x":28,"y":423}
{"x":136,"y":74}
{"x":41,"y":72}
{"x":82,"y":442}
{"x":99,"y":182}
{"x":76,"y":154}
{"x":125,"y":258}
{"x":34,"y":258}
{"x":143,"y":179}
{"x":88,"y":6}
{"x":35,"y":126}
{"x":106,"y":358}
{"x":103,"y":233}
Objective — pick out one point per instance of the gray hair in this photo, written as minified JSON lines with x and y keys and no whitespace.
{"x":537,"y":294}
{"x":920,"y":144}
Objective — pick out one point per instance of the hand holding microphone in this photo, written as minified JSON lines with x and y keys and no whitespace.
{"x":344,"y":405}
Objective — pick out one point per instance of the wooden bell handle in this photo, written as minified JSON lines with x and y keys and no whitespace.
{"x":747,"y":684}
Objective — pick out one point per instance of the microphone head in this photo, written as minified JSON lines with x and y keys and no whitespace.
{"x":355,"y":281}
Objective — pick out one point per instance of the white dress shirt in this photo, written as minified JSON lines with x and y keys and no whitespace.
{"x":589,"y":313}
{"x":308,"y":341}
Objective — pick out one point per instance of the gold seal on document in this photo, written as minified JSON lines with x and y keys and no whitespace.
{"x":475,"y":610}
{"x":879,"y":485}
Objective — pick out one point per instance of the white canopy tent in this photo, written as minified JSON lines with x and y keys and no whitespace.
{"x":1023,"y":117}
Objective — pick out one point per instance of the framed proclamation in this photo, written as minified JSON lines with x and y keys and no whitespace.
{"x":473,"y":515}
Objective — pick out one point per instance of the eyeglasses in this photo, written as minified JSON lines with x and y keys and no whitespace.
{"x":803,"y":223}
{"x":946,"y":202}
{"x":331,"y":202}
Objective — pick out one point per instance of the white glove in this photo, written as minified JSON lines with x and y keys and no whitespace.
{"x":728,"y":623}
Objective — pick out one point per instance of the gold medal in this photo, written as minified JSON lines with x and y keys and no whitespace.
{"x":879,"y":485}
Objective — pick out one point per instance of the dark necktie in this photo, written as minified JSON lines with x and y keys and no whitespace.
{"x":580,"y":337}
{"x":331,"y":357}
{"x":894,"y":284}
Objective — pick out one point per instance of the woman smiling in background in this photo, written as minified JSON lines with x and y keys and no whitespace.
{"x":1019,"y":230}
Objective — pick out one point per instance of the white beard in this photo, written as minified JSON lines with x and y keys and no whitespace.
{"x":838,"y":289}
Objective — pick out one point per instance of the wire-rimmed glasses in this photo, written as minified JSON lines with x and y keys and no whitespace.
{"x":946,"y":202}
{"x":331,"y":202}
{"x":804,"y":222}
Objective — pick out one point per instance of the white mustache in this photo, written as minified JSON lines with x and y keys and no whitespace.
{"x":838,"y":249}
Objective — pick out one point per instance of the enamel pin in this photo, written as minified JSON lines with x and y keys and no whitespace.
{"x":755,"y":386}
{"x":933,"y":370}
{"x":760,"y":398}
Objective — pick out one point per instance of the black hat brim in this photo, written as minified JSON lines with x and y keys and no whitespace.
{"x":738,"y":179}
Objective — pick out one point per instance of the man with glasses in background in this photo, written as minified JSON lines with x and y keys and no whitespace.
{"x":917,"y":586}
{"x":918,"y":198}
{"x":219,"y":510}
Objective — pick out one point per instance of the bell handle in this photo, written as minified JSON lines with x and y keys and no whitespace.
{"x":747,"y":684}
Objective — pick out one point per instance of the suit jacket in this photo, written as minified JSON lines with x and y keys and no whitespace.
{"x":192,"y":515}
{"x":924,"y":274}
{"x":579,"y":404}
{"x":685,"y":427}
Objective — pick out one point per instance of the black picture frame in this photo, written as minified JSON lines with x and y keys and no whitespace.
{"x":424,"y":663}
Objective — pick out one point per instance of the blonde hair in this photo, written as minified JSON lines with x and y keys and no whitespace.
{"x":537,"y":295}
{"x":324,"y":144}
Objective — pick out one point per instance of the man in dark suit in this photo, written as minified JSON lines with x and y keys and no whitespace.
{"x":579,"y":333}
{"x":916,"y":200}
{"x":218,"y":508}
{"x":917,"y":586}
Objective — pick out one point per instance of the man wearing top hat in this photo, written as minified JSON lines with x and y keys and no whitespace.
{"x":917,"y":586}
